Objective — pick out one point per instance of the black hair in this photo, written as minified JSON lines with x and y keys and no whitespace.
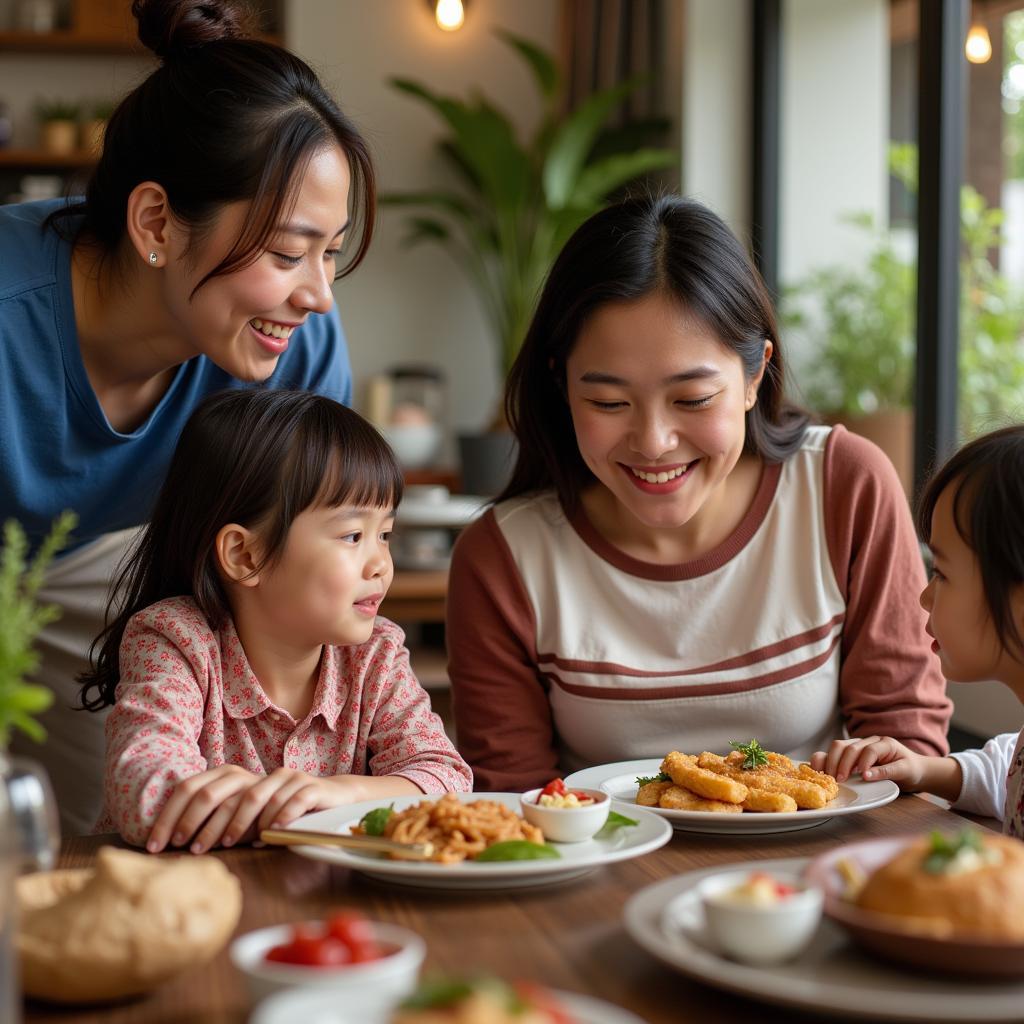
{"x":224,"y":118}
{"x":253,"y":456}
{"x":639,"y":247}
{"x":987,"y":478}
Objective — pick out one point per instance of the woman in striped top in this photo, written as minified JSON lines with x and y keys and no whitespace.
{"x":680,"y":559}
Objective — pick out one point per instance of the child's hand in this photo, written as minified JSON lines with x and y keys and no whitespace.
{"x":202,"y":798}
{"x":874,"y":758}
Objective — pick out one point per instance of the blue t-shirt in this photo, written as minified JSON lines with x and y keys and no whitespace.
{"x":57,"y":449}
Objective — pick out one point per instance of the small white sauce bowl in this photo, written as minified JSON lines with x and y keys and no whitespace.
{"x":760,"y":935}
{"x":567,"y":824}
{"x":366,"y":985}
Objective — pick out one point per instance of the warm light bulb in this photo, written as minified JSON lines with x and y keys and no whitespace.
{"x":449,"y":14}
{"x":978,"y":46}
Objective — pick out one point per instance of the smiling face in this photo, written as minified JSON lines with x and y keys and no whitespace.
{"x":959,"y":622}
{"x":242,"y":321}
{"x":658,"y":404}
{"x":330,"y":578}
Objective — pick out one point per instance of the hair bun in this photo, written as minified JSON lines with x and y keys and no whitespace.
{"x":169,"y":27}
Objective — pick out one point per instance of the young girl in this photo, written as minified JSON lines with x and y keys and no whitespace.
{"x":973,"y":512}
{"x":251,"y":679}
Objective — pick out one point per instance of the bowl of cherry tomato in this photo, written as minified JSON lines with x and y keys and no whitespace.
{"x":565,"y":815}
{"x":369,"y":962}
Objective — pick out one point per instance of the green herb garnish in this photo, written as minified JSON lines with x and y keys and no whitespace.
{"x":373,"y":822}
{"x":437,"y":993}
{"x":613,"y":824}
{"x":945,"y":850}
{"x":643,"y":780}
{"x":518,"y":849}
{"x":754,"y":755}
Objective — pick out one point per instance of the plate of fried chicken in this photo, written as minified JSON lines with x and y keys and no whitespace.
{"x":748,"y":789}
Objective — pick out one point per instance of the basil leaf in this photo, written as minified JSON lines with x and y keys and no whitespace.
{"x":437,"y":993}
{"x":518,"y":849}
{"x":373,"y":822}
{"x":613,"y":824}
{"x":643,"y":780}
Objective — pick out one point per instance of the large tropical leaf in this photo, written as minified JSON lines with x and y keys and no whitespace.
{"x":543,"y":67}
{"x":573,"y":141}
{"x":485,"y":138}
{"x":598,"y":180}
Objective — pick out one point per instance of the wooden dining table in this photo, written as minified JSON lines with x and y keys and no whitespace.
{"x":568,"y":936}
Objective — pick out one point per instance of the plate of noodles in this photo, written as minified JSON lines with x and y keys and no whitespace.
{"x":461,"y":827}
{"x":699,"y":795}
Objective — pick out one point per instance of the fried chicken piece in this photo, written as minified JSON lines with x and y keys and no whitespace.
{"x":649,"y":795}
{"x":686,"y":772}
{"x":676,"y":798}
{"x":768,"y":802}
{"x":807,"y":795}
{"x":827,"y":783}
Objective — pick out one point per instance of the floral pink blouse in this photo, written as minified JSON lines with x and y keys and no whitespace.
{"x":188,"y":701}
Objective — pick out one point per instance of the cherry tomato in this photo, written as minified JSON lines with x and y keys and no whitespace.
{"x":347,"y":938}
{"x":556,"y":787}
{"x":325,"y":951}
{"x":357,"y":933}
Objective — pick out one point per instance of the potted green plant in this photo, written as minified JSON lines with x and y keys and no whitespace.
{"x":516,"y":202}
{"x":860,"y":325}
{"x":22,"y":617}
{"x":58,"y":128}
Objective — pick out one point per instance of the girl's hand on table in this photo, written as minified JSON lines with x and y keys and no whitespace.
{"x":201,"y":798}
{"x":873,"y":758}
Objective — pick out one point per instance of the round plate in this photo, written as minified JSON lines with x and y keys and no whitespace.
{"x":883,"y":935}
{"x":324,"y":1007}
{"x":619,"y":782}
{"x":576,"y":859}
{"x":832,"y":975}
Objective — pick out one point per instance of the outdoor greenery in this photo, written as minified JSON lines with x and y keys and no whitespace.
{"x":21,"y":619}
{"x":861,"y":321}
{"x":520,"y":201}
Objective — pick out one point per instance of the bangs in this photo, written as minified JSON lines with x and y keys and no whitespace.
{"x":335,"y":459}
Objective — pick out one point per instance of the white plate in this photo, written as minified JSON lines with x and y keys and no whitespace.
{"x":576,"y":858}
{"x":318,"y":1007}
{"x":619,"y":782}
{"x":832,"y":975}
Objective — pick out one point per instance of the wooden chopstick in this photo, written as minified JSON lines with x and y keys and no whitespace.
{"x":299,"y":837}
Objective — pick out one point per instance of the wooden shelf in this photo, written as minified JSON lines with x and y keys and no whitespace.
{"x":40,"y":159}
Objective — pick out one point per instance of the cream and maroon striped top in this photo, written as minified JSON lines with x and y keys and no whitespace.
{"x":566,"y":652}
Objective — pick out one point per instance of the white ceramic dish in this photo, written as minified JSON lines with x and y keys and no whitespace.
{"x":319,"y":1007}
{"x":394,"y":975}
{"x":831,"y":975}
{"x":754,"y":933}
{"x":576,"y":859}
{"x":619,"y":782}
{"x":567,"y":824}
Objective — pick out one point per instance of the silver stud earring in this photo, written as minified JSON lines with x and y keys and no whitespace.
{"x":153,"y":258}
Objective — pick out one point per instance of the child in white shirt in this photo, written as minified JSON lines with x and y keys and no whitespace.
{"x":973,"y":513}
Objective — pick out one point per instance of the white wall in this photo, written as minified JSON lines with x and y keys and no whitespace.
{"x":715,"y":83}
{"x":401,"y":304}
{"x":835,"y":128}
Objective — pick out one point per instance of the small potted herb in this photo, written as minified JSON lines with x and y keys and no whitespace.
{"x":94,"y":125}
{"x":58,"y":125}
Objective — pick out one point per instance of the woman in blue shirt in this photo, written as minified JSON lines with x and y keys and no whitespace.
{"x":201,"y":257}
